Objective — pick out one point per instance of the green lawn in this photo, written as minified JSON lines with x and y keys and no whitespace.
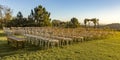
{"x":106,"y":49}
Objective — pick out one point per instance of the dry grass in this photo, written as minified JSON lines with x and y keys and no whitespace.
{"x":103,"y":49}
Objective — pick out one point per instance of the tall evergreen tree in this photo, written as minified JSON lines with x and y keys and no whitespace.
{"x":31,"y":19}
{"x":19,"y":15}
{"x":42,"y":17}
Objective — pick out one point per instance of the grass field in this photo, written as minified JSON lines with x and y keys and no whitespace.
{"x":106,"y":49}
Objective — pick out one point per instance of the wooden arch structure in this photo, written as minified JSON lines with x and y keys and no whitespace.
{"x":94,"y":20}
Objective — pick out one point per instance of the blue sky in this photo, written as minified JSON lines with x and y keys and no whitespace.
{"x":108,"y":11}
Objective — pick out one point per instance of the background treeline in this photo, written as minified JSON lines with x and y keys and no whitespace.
{"x":39,"y":17}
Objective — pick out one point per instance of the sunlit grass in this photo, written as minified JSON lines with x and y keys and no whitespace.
{"x":105,"y":49}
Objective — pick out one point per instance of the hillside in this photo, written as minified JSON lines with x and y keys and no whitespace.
{"x":115,"y":26}
{"x":105,"y":49}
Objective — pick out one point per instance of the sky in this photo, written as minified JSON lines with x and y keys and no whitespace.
{"x":107,"y":11}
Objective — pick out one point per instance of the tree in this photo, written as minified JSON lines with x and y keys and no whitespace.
{"x":68,"y":24}
{"x":73,"y":23}
{"x":5,"y":15}
{"x":19,"y":15}
{"x":31,"y":19}
{"x":42,"y":17}
{"x":31,"y":16}
{"x":56,"y":23}
{"x":8,"y":16}
{"x":18,"y":21}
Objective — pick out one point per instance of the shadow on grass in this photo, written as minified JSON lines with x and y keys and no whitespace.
{"x":2,"y":35}
{"x":7,"y":50}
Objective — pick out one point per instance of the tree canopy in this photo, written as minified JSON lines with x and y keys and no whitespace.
{"x":73,"y":23}
{"x":39,"y":17}
{"x":42,"y":16}
{"x":5,"y":15}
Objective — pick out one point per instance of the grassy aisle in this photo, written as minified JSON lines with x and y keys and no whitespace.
{"x":107,"y":49}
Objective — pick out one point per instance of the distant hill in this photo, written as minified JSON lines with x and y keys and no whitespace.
{"x":115,"y":26}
